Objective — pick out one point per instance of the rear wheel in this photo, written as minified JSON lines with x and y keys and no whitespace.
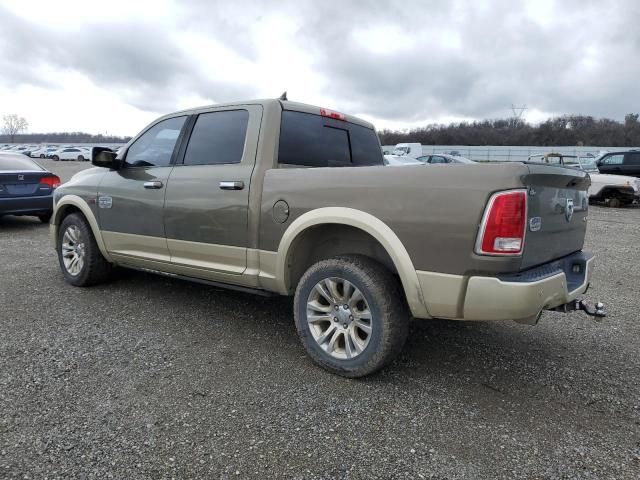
{"x":613,"y":202}
{"x":351,"y":315}
{"x":55,"y":158}
{"x":80,"y":158}
{"x":80,"y":259}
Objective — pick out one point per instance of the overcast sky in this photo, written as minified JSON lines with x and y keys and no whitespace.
{"x":84,"y":65}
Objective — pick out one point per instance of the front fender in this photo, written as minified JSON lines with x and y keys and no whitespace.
{"x":78,"y":202}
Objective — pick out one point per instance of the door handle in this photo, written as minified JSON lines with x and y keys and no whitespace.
{"x":153,"y":185}
{"x":237,"y":185}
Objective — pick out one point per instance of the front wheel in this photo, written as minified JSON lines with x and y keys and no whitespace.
{"x":80,"y":259}
{"x":55,"y":158}
{"x":80,"y":158}
{"x":351,"y":315}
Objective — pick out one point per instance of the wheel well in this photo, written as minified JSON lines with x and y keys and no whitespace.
{"x":67,"y":210}
{"x":329,"y":240}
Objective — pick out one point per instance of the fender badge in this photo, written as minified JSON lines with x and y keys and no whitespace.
{"x":105,"y":202}
{"x":535,"y":224}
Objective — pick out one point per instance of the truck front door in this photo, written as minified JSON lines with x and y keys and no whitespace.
{"x":131,"y":199}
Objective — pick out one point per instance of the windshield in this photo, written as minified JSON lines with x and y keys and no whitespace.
{"x":589,"y":165}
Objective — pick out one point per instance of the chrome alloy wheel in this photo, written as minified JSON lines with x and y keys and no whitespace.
{"x":73,"y":250}
{"x":339,"y":318}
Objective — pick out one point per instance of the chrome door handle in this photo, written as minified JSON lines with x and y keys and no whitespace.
{"x":153,"y":185}
{"x":231,"y":185}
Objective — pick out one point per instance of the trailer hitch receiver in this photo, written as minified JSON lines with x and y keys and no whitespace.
{"x":597,"y":311}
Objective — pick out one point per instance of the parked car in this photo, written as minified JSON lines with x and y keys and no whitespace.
{"x":44,"y":152}
{"x":399,"y":160}
{"x":285,"y":198}
{"x":613,"y":190}
{"x":413,"y":150}
{"x":620,"y":163}
{"x":443,"y":158}
{"x":25,"y":187}
{"x":71,"y":153}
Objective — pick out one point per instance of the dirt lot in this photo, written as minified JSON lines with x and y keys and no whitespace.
{"x":149,"y":377}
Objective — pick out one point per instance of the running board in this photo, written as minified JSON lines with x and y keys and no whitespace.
{"x":211,"y":283}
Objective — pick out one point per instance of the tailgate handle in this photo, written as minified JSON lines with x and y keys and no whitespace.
{"x":153,"y":185}
{"x":236,"y":185}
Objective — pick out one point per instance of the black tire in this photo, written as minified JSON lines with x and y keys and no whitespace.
{"x":95,"y":268}
{"x":389,"y":314}
{"x":80,"y":158}
{"x":45,"y":217}
{"x":42,"y":155}
{"x":613,"y":202}
{"x":55,"y":158}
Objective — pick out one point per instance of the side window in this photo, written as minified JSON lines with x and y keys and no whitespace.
{"x":633,"y":159}
{"x":613,"y":159}
{"x":313,"y":141}
{"x":155,"y":147}
{"x":438,"y":159}
{"x":217,"y":138}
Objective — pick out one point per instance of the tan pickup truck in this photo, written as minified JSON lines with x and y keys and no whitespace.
{"x":281,"y":197}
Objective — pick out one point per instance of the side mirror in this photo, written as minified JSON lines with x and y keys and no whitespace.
{"x":105,"y":157}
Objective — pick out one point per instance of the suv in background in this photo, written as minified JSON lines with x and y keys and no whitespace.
{"x":620,"y":163}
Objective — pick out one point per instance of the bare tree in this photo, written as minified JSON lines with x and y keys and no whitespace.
{"x":13,"y":124}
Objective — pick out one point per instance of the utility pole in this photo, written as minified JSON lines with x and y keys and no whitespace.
{"x":518,"y":111}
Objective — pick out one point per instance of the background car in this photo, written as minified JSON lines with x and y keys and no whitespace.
{"x":25,"y":187}
{"x":71,"y":153}
{"x":400,"y":160}
{"x":443,"y":158}
{"x":620,"y":163}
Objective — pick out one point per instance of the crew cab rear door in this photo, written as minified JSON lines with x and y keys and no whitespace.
{"x":207,"y":199}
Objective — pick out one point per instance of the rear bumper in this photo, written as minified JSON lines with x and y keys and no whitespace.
{"x":26,"y":205}
{"x":521,"y":297}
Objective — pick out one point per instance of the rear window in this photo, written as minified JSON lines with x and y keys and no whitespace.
{"x":17,"y":164}
{"x":315,"y":141}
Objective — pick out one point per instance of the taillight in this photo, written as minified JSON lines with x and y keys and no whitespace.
{"x":503,"y":224}
{"x":53,"y":181}
{"x":331,"y":114}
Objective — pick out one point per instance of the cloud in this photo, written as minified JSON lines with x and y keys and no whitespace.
{"x":407,"y":61}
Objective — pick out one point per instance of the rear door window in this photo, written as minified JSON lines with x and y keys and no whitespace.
{"x":315,"y":141}
{"x":633,"y":159}
{"x":217,"y":138}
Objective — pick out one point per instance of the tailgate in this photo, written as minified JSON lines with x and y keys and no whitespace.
{"x":557,"y":213}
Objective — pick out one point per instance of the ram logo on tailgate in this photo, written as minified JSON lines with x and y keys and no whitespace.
{"x":568,"y":211}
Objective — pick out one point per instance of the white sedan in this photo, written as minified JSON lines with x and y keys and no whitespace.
{"x":71,"y":153}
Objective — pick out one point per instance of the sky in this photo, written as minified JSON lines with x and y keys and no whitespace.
{"x":112,"y":67}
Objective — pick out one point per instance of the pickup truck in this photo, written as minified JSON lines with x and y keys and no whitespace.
{"x":279,"y":197}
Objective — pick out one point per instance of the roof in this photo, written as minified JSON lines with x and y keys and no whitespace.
{"x":284,"y":104}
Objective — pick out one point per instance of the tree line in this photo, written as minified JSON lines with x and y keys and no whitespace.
{"x":61,"y":137}
{"x":567,"y":130}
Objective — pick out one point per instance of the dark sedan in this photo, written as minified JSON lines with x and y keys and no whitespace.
{"x":25,"y":187}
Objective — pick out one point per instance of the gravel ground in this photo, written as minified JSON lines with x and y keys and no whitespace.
{"x":149,"y":377}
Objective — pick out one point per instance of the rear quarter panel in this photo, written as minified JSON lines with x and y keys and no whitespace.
{"x":434,"y":210}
